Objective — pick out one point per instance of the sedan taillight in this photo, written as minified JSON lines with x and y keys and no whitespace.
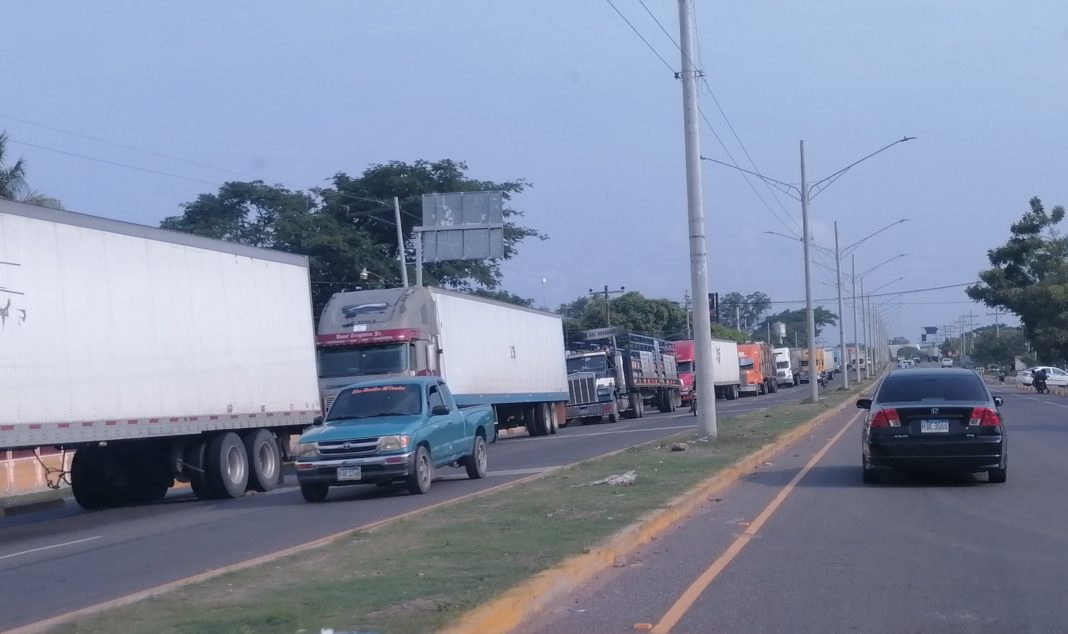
{"x":984,"y":417}
{"x":885,"y":418}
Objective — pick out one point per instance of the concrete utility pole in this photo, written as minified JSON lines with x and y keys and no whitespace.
{"x":810,"y":318}
{"x":704,"y":389}
{"x":856,"y":339}
{"x":864,"y":333}
{"x":400,"y":242}
{"x":607,"y":302}
{"x":997,"y":324}
{"x":841,"y":314}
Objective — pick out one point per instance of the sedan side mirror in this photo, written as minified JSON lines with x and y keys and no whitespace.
{"x":864,"y":403}
{"x":439,"y":410}
{"x":999,"y":401}
{"x":317,"y":421}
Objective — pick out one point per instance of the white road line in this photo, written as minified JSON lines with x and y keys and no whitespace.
{"x":35,"y":550}
{"x":621,"y":431}
{"x":515,"y":472}
{"x":1038,"y":400}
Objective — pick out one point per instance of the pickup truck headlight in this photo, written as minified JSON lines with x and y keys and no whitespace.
{"x":393,"y":443}
{"x":308,"y":450}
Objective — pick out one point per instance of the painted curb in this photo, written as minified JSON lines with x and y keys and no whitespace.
{"x":515,"y":606}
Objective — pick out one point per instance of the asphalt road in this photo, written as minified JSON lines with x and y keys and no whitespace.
{"x":912,"y":555}
{"x":57,"y":561}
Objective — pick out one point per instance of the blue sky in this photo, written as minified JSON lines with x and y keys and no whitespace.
{"x":564,"y":94}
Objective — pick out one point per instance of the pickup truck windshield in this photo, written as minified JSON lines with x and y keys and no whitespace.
{"x":374,"y":401}
{"x":390,"y":358}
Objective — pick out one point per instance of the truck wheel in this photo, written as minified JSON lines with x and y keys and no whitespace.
{"x":774,"y":386}
{"x":543,"y":419}
{"x":554,"y":419}
{"x":475,"y":462}
{"x":661,"y":401}
{"x":264,"y":460}
{"x":422,"y":472}
{"x":193,"y":457}
{"x":84,"y":480}
{"x":314,"y":491}
{"x":641,"y":407}
{"x":226,"y":465}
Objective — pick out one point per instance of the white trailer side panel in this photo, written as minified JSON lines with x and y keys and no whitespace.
{"x":494,"y":352}
{"x":111,"y":326}
{"x":725,"y":366}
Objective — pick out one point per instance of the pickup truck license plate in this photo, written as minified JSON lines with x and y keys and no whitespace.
{"x":934,"y":426}
{"x":348,"y":473}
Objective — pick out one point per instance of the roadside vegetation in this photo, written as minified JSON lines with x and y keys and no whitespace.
{"x":420,"y":573}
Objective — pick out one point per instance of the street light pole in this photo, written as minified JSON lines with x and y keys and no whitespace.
{"x":856,"y":338}
{"x":400,"y":242}
{"x":841,"y":314}
{"x":810,"y":319}
{"x":703,"y":388}
{"x":864,"y":333}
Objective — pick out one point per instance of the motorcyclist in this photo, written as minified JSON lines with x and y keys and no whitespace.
{"x":1038,"y":380}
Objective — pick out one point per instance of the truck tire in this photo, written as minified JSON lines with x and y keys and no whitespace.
{"x":422,"y":472}
{"x":543,"y":419}
{"x":774,"y":386}
{"x":264,"y":460}
{"x":85,"y":481}
{"x":226,"y":465}
{"x":641,"y":406}
{"x":193,"y":457}
{"x":554,"y":418}
{"x":734,"y":393}
{"x":662,"y":401}
{"x":314,"y":491}
{"x":475,"y":462}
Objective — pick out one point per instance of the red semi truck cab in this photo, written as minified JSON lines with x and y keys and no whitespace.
{"x":684,"y":363}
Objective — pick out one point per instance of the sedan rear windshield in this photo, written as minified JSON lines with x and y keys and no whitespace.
{"x":926,"y":387}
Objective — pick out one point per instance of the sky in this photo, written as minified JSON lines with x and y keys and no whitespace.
{"x":563,"y":93}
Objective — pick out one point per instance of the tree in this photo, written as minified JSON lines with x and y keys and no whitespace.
{"x":796,"y":324}
{"x":899,"y":341}
{"x":907,"y":352}
{"x":347,"y":228}
{"x":13,"y":185}
{"x":1029,"y":277}
{"x":743,"y":311}
{"x":999,"y":348}
{"x":503,"y":296}
{"x":719,"y":331}
{"x":630,"y":311}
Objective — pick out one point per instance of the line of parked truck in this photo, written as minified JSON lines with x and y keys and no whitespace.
{"x":160,"y":357}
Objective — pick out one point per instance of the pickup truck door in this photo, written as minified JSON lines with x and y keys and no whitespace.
{"x":461,"y":434}
{"x":447,"y":430}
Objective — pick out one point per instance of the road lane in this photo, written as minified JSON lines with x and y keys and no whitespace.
{"x":142,"y":547}
{"x":916,"y":554}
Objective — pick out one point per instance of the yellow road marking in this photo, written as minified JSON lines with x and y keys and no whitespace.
{"x":690,"y":596}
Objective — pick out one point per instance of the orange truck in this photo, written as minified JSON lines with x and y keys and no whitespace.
{"x":757,"y":368}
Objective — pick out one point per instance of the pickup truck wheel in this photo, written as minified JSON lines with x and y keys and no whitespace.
{"x":226,"y":465}
{"x":476,"y":461}
{"x":422,"y":472}
{"x":314,"y":491}
{"x":264,"y":460}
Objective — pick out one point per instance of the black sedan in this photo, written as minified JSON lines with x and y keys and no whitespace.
{"x":933,"y":419}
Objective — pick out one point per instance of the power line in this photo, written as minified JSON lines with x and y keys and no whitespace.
{"x":890,"y":294}
{"x":640,"y":36}
{"x":126,"y":147}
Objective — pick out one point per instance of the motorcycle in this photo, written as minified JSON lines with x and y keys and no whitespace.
{"x":1001,"y":377}
{"x":1040,"y":386}
{"x":823,"y":380}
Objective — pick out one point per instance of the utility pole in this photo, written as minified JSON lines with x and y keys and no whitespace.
{"x":841,"y":315}
{"x":810,"y":319}
{"x":703,"y":388}
{"x":686,"y":306}
{"x":607,"y":303}
{"x":864,"y":329}
{"x":400,"y":242}
{"x":997,"y":325}
{"x":856,"y":339}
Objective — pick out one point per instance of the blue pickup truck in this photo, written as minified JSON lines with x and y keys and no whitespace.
{"x":386,"y":431}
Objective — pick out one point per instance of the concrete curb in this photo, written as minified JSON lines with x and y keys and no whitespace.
{"x":19,"y":509}
{"x":515,"y":606}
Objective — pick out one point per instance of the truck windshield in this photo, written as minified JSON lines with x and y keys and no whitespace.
{"x":782,"y":365}
{"x":390,"y":358}
{"x":745,"y":363}
{"x":684,"y":366}
{"x":377,"y":400}
{"x":597,"y":364}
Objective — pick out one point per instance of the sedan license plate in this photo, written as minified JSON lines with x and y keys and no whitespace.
{"x":934,"y":426}
{"x":348,"y":473}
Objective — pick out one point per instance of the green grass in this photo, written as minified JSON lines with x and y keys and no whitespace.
{"x":418,"y":574}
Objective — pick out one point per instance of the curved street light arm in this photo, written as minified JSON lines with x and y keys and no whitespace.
{"x":820,"y":185}
{"x":848,"y":249}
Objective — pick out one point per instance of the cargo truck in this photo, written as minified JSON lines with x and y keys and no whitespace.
{"x":725,"y":373}
{"x":757,"y":361}
{"x":613,"y":373}
{"x":156,"y":356}
{"x":784,"y":370}
{"x":805,"y":365}
{"x":489,"y":352}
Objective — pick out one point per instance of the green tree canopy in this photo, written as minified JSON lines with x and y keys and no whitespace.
{"x":908,"y":352}
{"x":13,"y":185}
{"x":743,"y":311}
{"x":795,"y":321}
{"x":1029,"y":277}
{"x":349,"y":227}
{"x":999,"y":347}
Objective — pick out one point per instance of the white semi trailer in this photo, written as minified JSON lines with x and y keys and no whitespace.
{"x":157,"y":356}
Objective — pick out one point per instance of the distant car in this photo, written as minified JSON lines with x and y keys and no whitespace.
{"x":928,"y":418}
{"x":947,"y":363}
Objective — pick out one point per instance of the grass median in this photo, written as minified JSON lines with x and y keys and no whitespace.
{"x":420,"y":573}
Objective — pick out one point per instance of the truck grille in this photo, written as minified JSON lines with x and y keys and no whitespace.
{"x":355,"y":448}
{"x":582,"y":388}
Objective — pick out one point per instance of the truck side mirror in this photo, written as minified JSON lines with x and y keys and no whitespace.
{"x":439,"y":410}
{"x":317,"y":421}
